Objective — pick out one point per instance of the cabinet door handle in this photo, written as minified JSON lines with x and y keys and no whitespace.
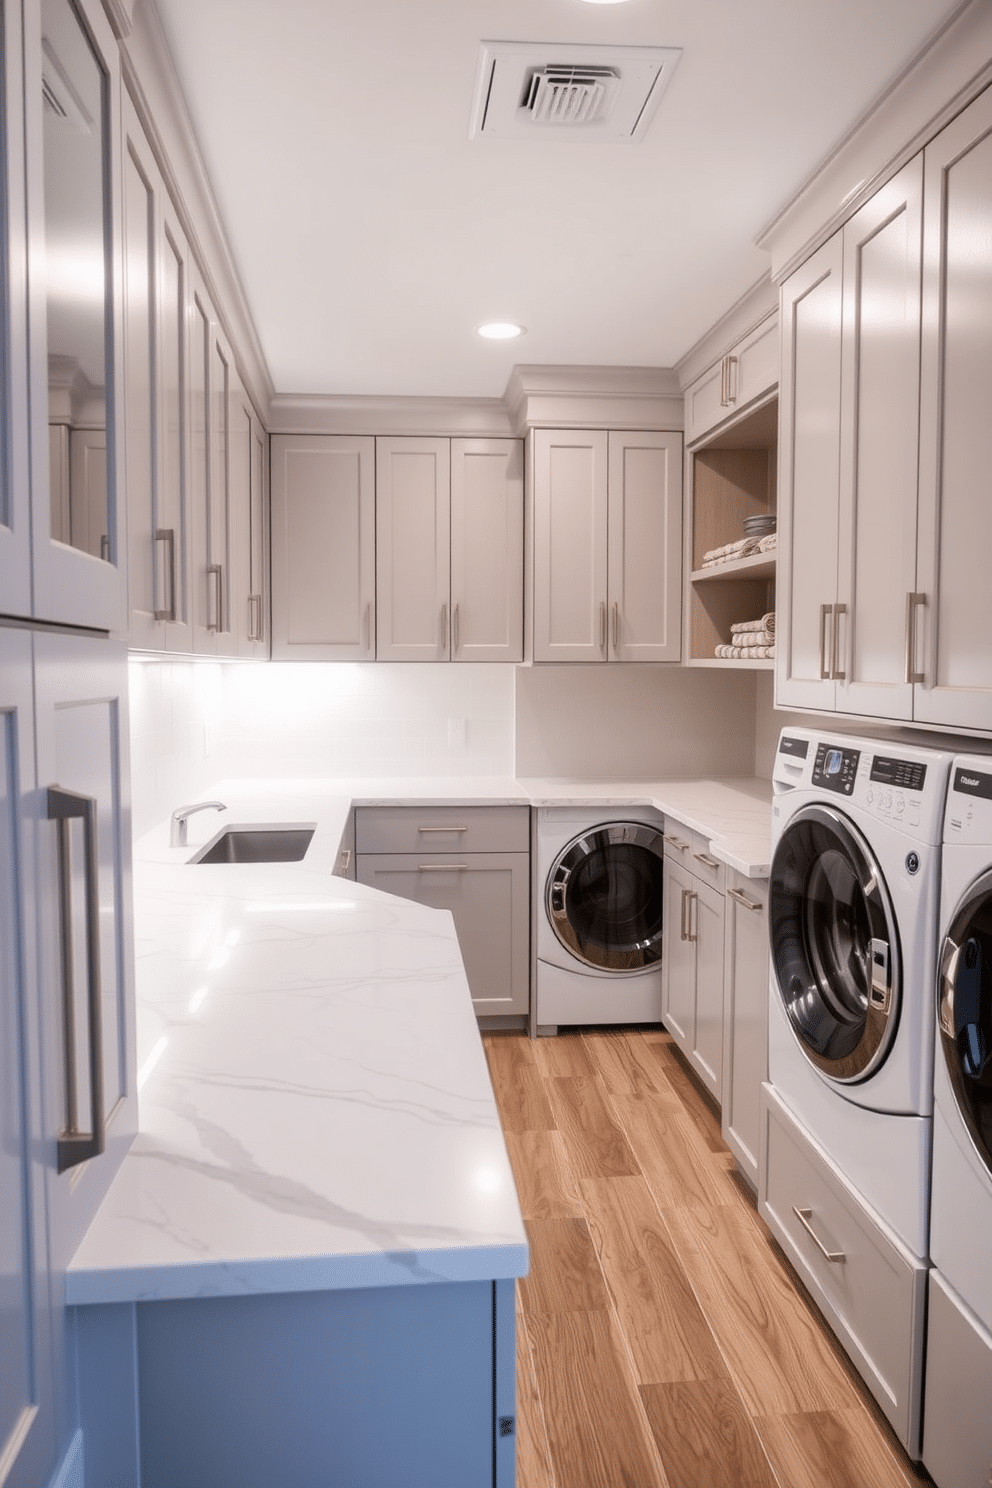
{"x":444,"y":626}
{"x":442,"y":829}
{"x":754,"y":905}
{"x":442,"y":867}
{"x":454,"y":630}
{"x":804,"y":1216}
{"x":913,"y":603}
{"x":706,"y":860}
{"x":616,"y":626}
{"x":216,"y":572}
{"x":345,"y":862}
{"x":728,"y":381}
{"x":836,"y":675}
{"x":682,"y":932}
{"x":75,"y":1146}
{"x":255,"y":617}
{"x":602,"y":625}
{"x":675,"y":841}
{"x":367,"y":628}
{"x":167,"y":535}
{"x":825,"y":610}
{"x":692,"y":897}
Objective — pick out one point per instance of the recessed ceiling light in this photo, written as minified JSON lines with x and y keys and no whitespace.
{"x":500,"y":330}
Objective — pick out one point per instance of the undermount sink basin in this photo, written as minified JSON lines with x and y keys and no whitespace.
{"x":257,"y":845}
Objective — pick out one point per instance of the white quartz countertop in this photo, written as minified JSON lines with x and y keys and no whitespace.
{"x":315,"y":1105}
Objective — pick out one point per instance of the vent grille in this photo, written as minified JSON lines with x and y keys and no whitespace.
{"x":553,"y":91}
{"x":569,"y":95}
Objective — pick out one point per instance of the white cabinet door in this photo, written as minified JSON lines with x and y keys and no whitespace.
{"x":570,"y":477}
{"x":705,"y":919}
{"x":27,"y":1424}
{"x":809,"y":472}
{"x":678,"y":964}
{"x":644,"y":547}
{"x":413,"y":515}
{"x":953,"y":616}
{"x":879,"y":448}
{"x":745,"y":1029}
{"x":15,"y":484}
{"x":487,"y":550}
{"x":76,"y":350}
{"x":323,"y":547}
{"x":748,"y":371}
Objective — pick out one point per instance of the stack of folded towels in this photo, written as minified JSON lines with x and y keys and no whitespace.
{"x":751,"y":640}
{"x":745,"y":547}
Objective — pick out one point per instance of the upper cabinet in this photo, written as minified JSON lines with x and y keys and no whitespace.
{"x":15,"y":485}
{"x":72,"y":112}
{"x":747,"y":372}
{"x":886,"y":442}
{"x":606,"y":541}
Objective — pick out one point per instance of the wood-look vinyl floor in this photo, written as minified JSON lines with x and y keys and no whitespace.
{"x":663,"y":1341}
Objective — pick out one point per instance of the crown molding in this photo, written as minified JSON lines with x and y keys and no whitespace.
{"x":760,"y":301}
{"x":151,"y":80}
{"x":954,"y":66}
{"x":553,"y":397}
{"x":461,"y":417}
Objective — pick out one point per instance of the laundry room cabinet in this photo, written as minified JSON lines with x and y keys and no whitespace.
{"x":473,"y":861}
{"x":886,"y":440}
{"x":745,"y":1017}
{"x":693,"y":963}
{"x":606,"y":563}
{"x":743,"y":375}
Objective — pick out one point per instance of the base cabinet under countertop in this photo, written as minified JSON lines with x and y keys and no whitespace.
{"x":474,"y":862}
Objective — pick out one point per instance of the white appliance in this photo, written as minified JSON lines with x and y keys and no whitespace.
{"x":856,"y":833}
{"x":957,"y":1430}
{"x":599,"y":915}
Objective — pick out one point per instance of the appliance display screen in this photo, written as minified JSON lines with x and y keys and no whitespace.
{"x":907,"y":774}
{"x":836,"y":769}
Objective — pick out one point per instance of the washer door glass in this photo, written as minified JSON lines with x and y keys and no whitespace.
{"x":964,"y":990}
{"x":834,"y":944}
{"x":604,"y":896}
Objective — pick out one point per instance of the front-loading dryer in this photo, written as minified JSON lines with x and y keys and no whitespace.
{"x":957,"y":1432}
{"x":600,"y":892}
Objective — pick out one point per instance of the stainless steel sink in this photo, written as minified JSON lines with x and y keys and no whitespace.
{"x":257,"y":845}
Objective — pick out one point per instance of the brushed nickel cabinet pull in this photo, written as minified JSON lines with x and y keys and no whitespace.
{"x":913,"y":603}
{"x":444,"y":626}
{"x":754,"y":905}
{"x":255,"y":617}
{"x":706,"y":860}
{"x":616,"y":626}
{"x":74,"y":1146}
{"x":215,"y":572}
{"x":692,"y":898}
{"x":804,"y":1216}
{"x":442,"y":829}
{"x":836,"y":675}
{"x":454,"y":630}
{"x":442,"y":867}
{"x":682,"y":931}
{"x":674,"y":841}
{"x":367,"y":628}
{"x":602,"y":625}
{"x":825,"y":610}
{"x":167,"y":535}
{"x":728,"y":382}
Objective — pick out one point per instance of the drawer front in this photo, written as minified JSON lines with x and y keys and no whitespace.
{"x":692,"y":850}
{"x":443,"y":829}
{"x":870,"y":1287}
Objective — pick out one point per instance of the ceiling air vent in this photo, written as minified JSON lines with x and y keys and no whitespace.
{"x":535,"y":90}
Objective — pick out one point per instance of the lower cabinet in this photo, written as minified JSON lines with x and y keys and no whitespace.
{"x":693,"y":965}
{"x":745,"y":1017}
{"x":473,"y":861}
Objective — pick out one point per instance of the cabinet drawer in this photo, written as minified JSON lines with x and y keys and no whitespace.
{"x":870,"y":1287}
{"x":442,"y":829}
{"x":692,"y":850}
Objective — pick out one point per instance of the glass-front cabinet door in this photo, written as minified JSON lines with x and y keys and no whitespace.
{"x":74,"y":264}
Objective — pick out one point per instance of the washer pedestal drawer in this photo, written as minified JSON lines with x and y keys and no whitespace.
{"x":869,"y":1286}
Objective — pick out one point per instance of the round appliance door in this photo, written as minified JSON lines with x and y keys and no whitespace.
{"x":964,"y":991}
{"x":834,"y":944}
{"x":604,"y":896}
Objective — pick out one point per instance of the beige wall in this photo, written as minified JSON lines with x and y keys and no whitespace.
{"x":637,"y":722}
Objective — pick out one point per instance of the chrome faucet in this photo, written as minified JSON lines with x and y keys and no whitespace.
{"x":177,"y":833}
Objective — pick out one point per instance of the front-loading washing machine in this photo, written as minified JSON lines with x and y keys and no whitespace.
{"x":600,"y":890}
{"x":957,"y":1404}
{"x":852,"y":914}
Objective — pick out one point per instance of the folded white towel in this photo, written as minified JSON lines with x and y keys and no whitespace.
{"x":766,"y":623}
{"x":745,"y":653}
{"x":743,"y":548}
{"x":768,"y":544}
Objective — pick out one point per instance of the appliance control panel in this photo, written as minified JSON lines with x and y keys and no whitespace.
{"x":835,"y":768}
{"x":969,"y":801}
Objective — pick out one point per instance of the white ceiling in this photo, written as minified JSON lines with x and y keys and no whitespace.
{"x":372,"y":235}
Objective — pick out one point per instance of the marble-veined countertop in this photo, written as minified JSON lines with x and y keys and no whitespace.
{"x":315,"y":1105}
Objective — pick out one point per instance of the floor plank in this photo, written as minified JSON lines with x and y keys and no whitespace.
{"x":672,"y":1155}
{"x":834,"y":1447}
{"x":594,"y":1140}
{"x":695,"y":1102}
{"x":534,"y":1468}
{"x":564,"y":1275}
{"x":519,"y":1087}
{"x":667,"y":1336}
{"x":546,"y":1185}
{"x":705,"y":1437}
{"x":563,"y":1055}
{"x":598,"y":1434}
{"x":626,"y":1063}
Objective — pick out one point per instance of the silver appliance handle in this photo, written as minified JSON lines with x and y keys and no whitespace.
{"x":74,"y":1146}
{"x":804,"y":1216}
